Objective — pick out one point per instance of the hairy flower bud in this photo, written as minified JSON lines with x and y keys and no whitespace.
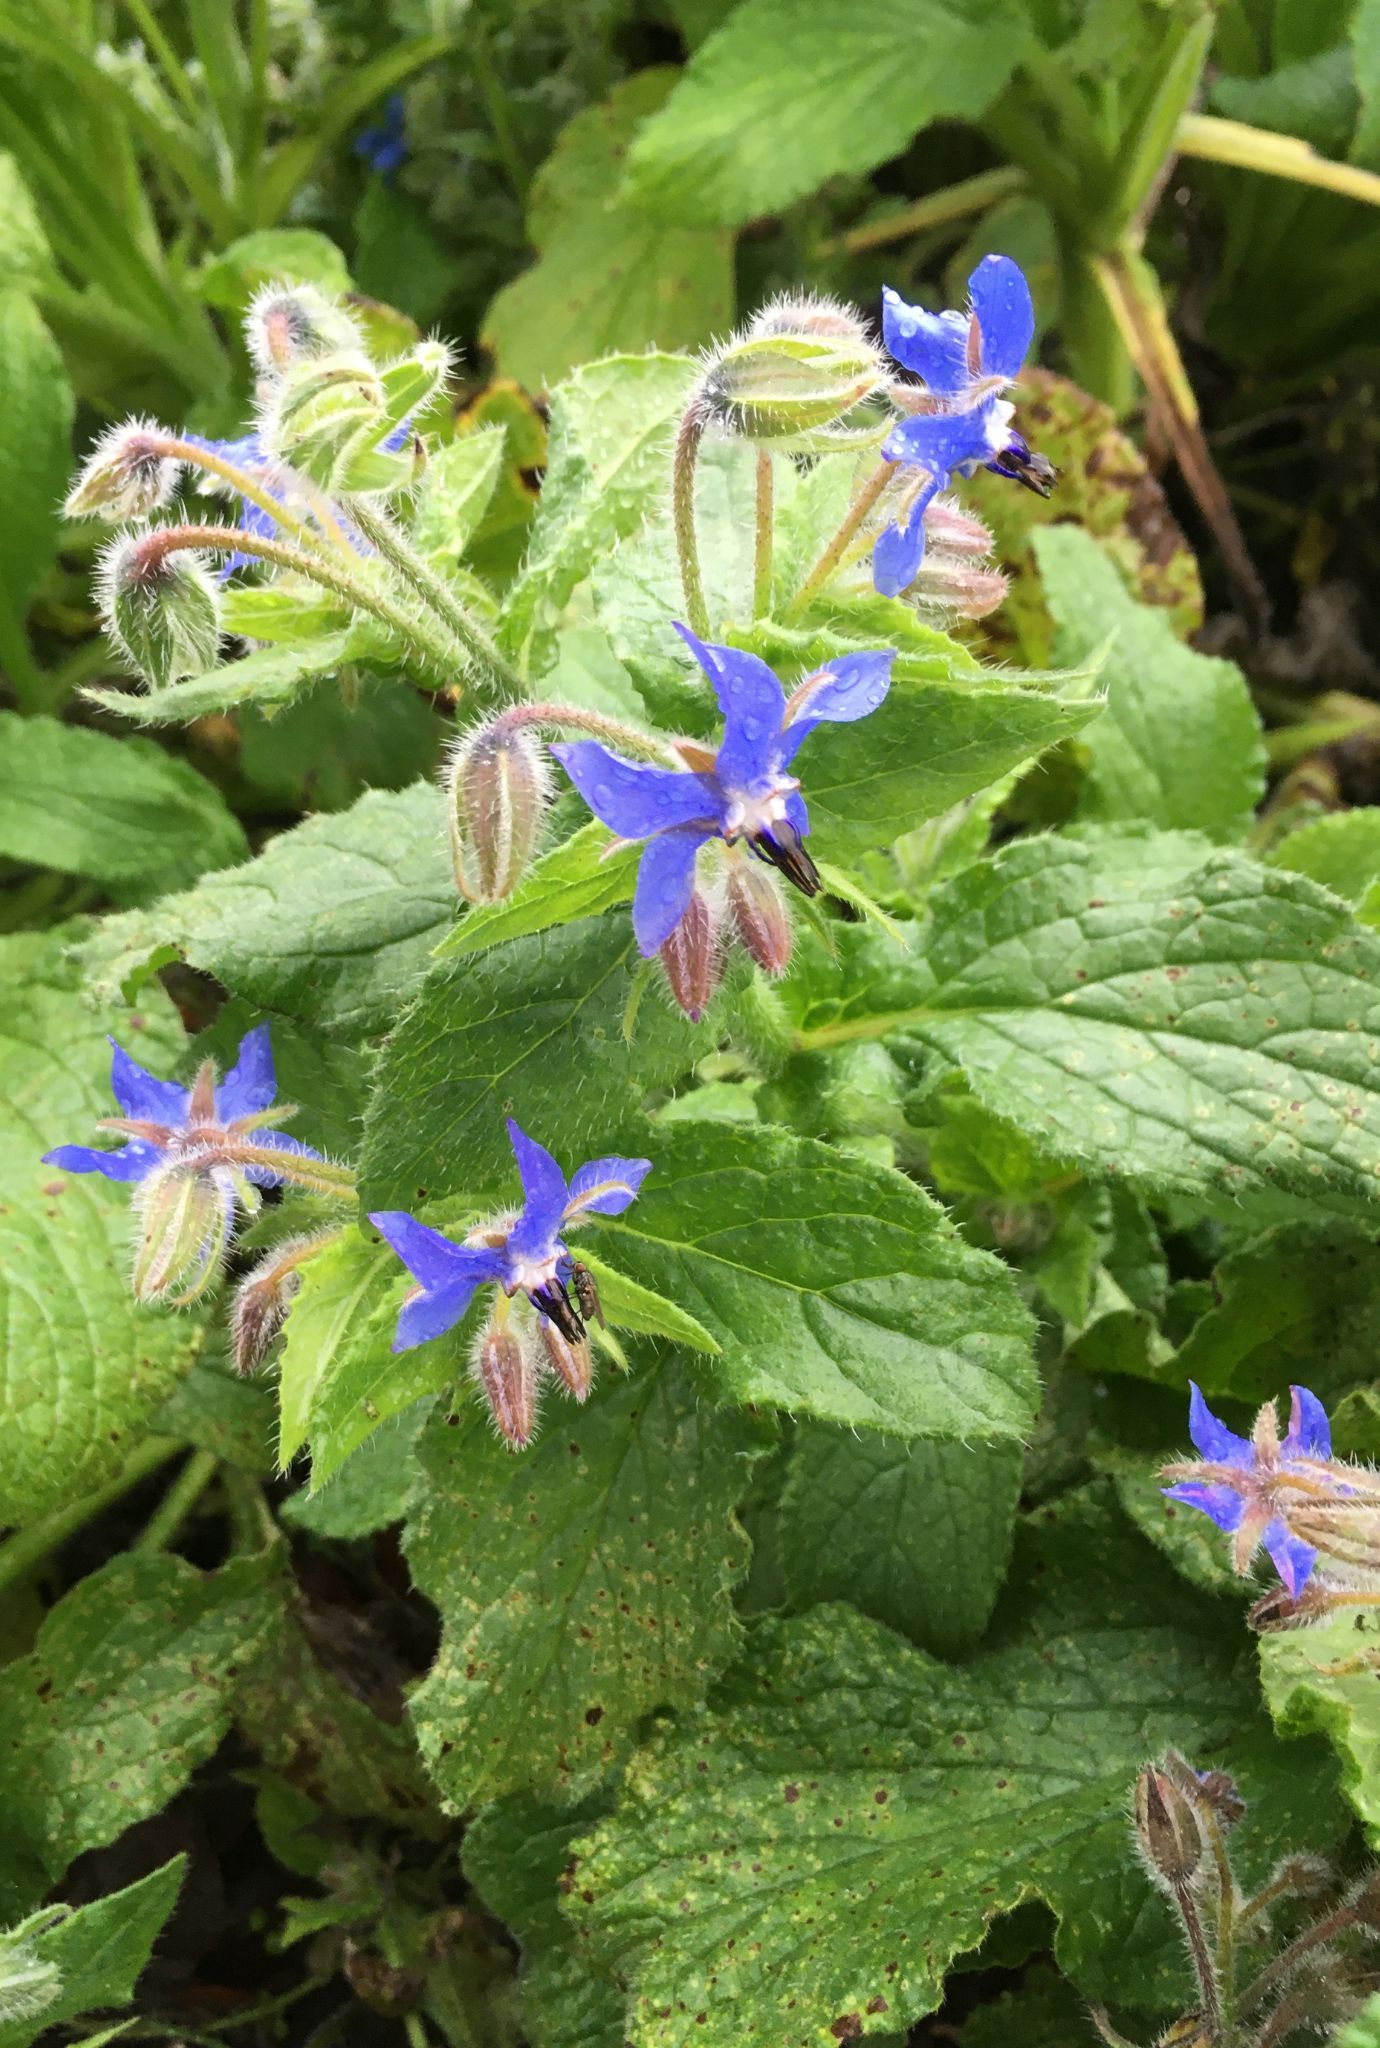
{"x":497,"y":784}
{"x":184,"y":1223}
{"x":571,"y":1363}
{"x":319,"y":409}
{"x":161,"y":606}
{"x":265,"y":1295}
{"x":691,"y":957}
{"x":760,"y":917}
{"x":505,"y":1372}
{"x":286,"y":323}
{"x":797,"y":371}
{"x":1167,"y":1830}
{"x":126,"y":475}
{"x":957,"y":587}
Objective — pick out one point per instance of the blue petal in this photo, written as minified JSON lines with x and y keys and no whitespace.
{"x":1005,"y":315}
{"x":433,"y":1311}
{"x":752,"y":701}
{"x":796,"y":813}
{"x":431,"y":1257}
{"x":1292,"y":1558}
{"x":942,"y":441}
{"x":632,"y":798}
{"x":1309,"y":1429}
{"x":849,"y":688}
{"x":250,"y":1084}
{"x":605,"y":1187}
{"x":131,"y":1162}
{"x":665,"y":884}
{"x":934,"y":345}
{"x":141,"y":1095}
{"x":543,"y":1197}
{"x":899,"y":552}
{"x":1219,"y":1503}
{"x":1211,"y":1438}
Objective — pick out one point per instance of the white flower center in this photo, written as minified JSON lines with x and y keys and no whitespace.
{"x":751,"y":811}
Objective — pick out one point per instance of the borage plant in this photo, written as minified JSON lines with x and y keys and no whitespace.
{"x":805,"y":1659}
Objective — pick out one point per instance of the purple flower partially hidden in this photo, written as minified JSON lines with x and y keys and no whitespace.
{"x":967,"y":360}
{"x":524,"y":1254}
{"x":1243,"y":1484}
{"x":742,"y":791}
{"x":384,"y":145}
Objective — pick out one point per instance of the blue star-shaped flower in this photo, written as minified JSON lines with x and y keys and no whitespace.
{"x":282,"y":484}
{"x":201,"y":1127}
{"x":743,"y":791}
{"x":1241,"y":1483}
{"x":966,"y":360}
{"x":524,"y":1255}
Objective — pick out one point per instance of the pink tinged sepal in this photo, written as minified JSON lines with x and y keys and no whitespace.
{"x":505,"y":1372}
{"x":497,"y":785}
{"x":691,"y":958}
{"x":760,"y":916}
{"x":571,"y":1364}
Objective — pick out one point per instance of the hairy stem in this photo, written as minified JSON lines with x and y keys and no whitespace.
{"x":440,"y":654}
{"x":1287,"y":1961}
{"x":1203,"y":1966}
{"x":936,"y":209}
{"x":851,"y":523}
{"x":179,"y":1500}
{"x":23,"y":1552}
{"x":377,"y":527}
{"x":765,"y":534}
{"x":1217,"y":141}
{"x":573,"y":718}
{"x":683,"y":517}
{"x":248,"y":487}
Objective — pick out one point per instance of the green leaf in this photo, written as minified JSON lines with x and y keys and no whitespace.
{"x":810,"y":1855}
{"x":269,"y":677}
{"x":478,"y":1044}
{"x":128,"y":1688}
{"x":35,"y":454}
{"x":370,"y":1490}
{"x":790,"y":92}
{"x":1199,"y":1027}
{"x":458,"y":483}
{"x":272,"y":256}
{"x":1043,"y":2012}
{"x":1296,"y":1303}
{"x":585,"y":874}
{"x":333,"y":922}
{"x":1341,"y":850}
{"x":580,"y":1584}
{"x":612,"y":425}
{"x":97,"y":1953}
{"x":630,"y":1307}
{"x":516,"y":1853}
{"x":834,"y":1288}
{"x":608,"y":275}
{"x":338,"y":1375}
{"x":1321,"y":1680}
{"x":1365,"y":55}
{"x":214,"y":1409}
{"x":1179,"y":744}
{"x":84,"y":1367}
{"x":1364,"y":2030}
{"x":917,"y":1535}
{"x":86,"y":803}
{"x":26,"y":260}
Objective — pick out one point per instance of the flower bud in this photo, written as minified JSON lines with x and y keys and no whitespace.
{"x":504,"y":1370}
{"x":161,"y":606}
{"x":957,"y":587}
{"x":691,"y":958}
{"x":1167,"y":1830}
{"x":321,"y":409}
{"x":286,"y":323}
{"x":760,"y":917}
{"x":571,"y":1363}
{"x":184,"y":1223}
{"x":497,"y":783}
{"x":265,"y":1295}
{"x":126,"y":475}
{"x":799,"y":369}
{"x":955,"y":532}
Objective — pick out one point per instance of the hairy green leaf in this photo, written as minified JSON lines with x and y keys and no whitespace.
{"x":95,"y":1953}
{"x":811,"y":1854}
{"x":790,"y":92}
{"x":585,"y":874}
{"x":580,"y":1584}
{"x":835,"y":1288}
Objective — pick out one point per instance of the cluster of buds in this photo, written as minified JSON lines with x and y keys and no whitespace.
{"x":1248,"y":1997}
{"x":196,"y":1157}
{"x":346,"y":424}
{"x":1317,"y":1517}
